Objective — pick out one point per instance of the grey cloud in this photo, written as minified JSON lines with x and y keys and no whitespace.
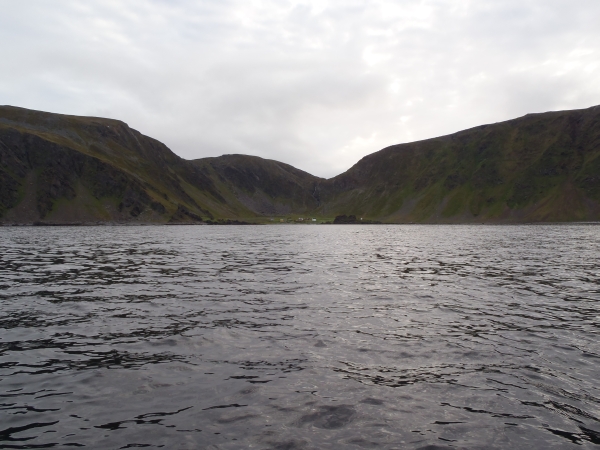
{"x":317,"y":84}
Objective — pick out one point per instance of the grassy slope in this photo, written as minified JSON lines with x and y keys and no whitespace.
{"x":65,"y":158}
{"x":57,"y":168}
{"x":541,"y":167}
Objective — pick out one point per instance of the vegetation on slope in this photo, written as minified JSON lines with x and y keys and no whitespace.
{"x":48,"y":162}
{"x":57,"y":168}
{"x":540,"y":167}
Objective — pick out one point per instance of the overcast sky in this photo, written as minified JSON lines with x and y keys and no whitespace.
{"x":316,"y":84}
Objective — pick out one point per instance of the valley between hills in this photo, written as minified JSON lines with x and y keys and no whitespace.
{"x":60,"y":169}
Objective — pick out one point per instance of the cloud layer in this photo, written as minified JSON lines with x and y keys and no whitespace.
{"x":316,"y":84}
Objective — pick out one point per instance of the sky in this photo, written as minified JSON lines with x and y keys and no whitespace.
{"x":315,"y":84}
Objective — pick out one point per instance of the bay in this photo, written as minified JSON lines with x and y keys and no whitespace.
{"x":300,"y":337}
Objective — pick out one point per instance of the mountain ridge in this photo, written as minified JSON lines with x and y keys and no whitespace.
{"x":72,"y":169}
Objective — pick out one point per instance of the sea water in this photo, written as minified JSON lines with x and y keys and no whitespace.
{"x":300,"y":337}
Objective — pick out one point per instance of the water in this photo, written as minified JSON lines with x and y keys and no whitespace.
{"x":293,"y":337}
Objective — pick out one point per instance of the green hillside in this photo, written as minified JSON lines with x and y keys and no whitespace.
{"x":68,"y":169}
{"x":540,"y":167}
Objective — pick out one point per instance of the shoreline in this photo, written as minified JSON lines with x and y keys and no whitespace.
{"x":242,"y":223}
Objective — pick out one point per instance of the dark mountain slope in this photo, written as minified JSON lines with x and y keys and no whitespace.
{"x":66,"y":168}
{"x":264,"y":186}
{"x":540,"y":167}
{"x":58,"y":168}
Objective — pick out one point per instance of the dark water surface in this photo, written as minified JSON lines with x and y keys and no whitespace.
{"x":291,"y":337}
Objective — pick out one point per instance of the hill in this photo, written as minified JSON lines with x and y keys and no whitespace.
{"x":540,"y":167}
{"x":68,"y":169}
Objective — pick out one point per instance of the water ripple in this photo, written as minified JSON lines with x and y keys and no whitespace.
{"x":300,"y":337}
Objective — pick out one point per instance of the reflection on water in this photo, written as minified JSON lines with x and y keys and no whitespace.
{"x":293,"y":337}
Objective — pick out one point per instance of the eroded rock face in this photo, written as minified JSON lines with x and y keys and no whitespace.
{"x":59,"y":172}
{"x":97,"y":167}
